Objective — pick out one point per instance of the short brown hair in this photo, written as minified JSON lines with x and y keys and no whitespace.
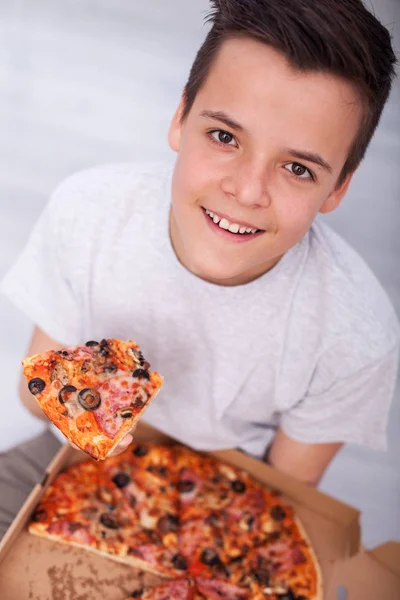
{"x":340,"y":37}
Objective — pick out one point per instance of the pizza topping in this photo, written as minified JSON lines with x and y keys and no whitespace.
{"x":210,"y":557}
{"x":289,"y":595}
{"x":246,"y":522}
{"x":168,"y":523}
{"x":262,"y":576}
{"x":277,"y":513}
{"x":298,"y":556}
{"x":238,"y":486}
{"x":125,"y":412}
{"x":109,"y":521}
{"x":104,"y":495}
{"x":110,"y":368}
{"x":65,"y":393}
{"x":179,"y":562}
{"x":91,"y":344}
{"x":58,"y":373}
{"x":39,"y":515}
{"x":136,"y":355}
{"x":85,"y":366}
{"x":137,"y":593}
{"x":121,"y":480}
{"x":185,"y":486}
{"x":89,"y":399}
{"x":104,"y":348}
{"x":140,"y":450}
{"x":141,"y":373}
{"x":36,"y":385}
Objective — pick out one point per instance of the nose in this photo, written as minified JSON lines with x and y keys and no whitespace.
{"x":247,"y":183}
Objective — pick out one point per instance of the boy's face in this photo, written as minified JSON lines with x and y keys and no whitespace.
{"x":248,"y":153}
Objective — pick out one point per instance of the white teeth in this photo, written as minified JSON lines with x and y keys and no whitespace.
{"x":232,"y":227}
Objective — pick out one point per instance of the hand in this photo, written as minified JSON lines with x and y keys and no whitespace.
{"x":122,"y":446}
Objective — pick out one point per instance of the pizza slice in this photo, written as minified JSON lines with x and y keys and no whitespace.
{"x":85,"y":507}
{"x":146,"y":476}
{"x":94,"y":393}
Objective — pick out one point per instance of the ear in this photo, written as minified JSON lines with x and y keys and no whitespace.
{"x":175,"y":129}
{"x":336,"y":196}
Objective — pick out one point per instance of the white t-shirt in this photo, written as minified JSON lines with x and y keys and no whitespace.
{"x":311,"y":345}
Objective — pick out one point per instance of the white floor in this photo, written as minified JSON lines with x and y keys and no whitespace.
{"x":92,"y":81}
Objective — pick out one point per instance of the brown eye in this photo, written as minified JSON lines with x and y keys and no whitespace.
{"x":223,"y":137}
{"x":300,"y":171}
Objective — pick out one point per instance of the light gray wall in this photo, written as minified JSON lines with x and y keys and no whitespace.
{"x":84,"y":82}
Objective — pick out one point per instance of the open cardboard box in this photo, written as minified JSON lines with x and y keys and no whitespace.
{"x":39,"y":569}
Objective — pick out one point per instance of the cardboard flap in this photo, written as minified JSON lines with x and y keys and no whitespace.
{"x":388,"y":555}
{"x":363,"y":578}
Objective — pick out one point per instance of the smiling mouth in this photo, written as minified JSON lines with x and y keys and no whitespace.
{"x":232,"y":227}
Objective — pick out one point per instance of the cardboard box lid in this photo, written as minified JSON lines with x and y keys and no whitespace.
{"x":370,"y":575}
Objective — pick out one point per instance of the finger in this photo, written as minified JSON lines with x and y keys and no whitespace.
{"x":122,"y":446}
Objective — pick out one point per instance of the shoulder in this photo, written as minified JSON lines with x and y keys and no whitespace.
{"x":110,"y":183}
{"x":357,"y":308}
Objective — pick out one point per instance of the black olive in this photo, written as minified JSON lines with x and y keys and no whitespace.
{"x":108,"y":520}
{"x":36,"y":386}
{"x":110,"y":368}
{"x":63,"y":353}
{"x":277,"y":513}
{"x":137,"y":594}
{"x":236,"y":559}
{"x":63,"y":394}
{"x":141,"y":373}
{"x":180,"y":562}
{"x":210,"y":557}
{"x":162,"y":471}
{"x":104,"y":348}
{"x":262,"y":576}
{"x":301,"y":598}
{"x":89,"y":399}
{"x":168,"y":523}
{"x":185,"y":486}
{"x":238,"y":486}
{"x":92,"y":343}
{"x":39,"y":515}
{"x":121,"y":479}
{"x":140,"y":450}
{"x":126,"y":412}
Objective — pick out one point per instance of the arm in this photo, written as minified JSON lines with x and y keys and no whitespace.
{"x":306,"y":462}
{"x":40,"y":342}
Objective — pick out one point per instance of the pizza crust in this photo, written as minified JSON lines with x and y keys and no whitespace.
{"x":319,"y":595}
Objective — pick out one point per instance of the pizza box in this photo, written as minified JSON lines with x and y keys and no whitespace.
{"x":373,"y":574}
{"x":40,"y":569}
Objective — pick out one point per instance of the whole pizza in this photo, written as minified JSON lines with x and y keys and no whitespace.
{"x":207,"y":527}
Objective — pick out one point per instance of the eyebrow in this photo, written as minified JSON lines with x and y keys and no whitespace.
{"x":219,"y":115}
{"x":310,"y":157}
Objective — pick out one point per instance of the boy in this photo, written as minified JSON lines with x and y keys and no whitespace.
{"x":270,"y":331}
